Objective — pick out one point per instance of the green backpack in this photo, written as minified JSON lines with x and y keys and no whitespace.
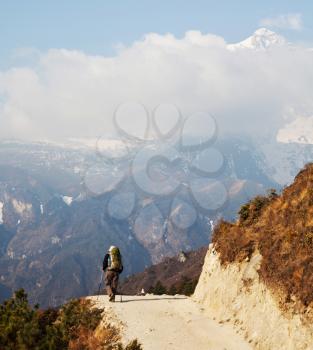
{"x":115,"y":260}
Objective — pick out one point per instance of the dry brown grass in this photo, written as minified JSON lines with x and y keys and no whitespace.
{"x":94,"y":331}
{"x":106,"y":338}
{"x":281,"y":228}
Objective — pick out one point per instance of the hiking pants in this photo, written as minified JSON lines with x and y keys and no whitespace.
{"x":111,"y":281}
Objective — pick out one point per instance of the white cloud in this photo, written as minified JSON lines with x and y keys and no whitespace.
{"x":286,"y":21}
{"x":69,"y":93}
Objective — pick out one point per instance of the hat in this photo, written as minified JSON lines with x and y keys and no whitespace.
{"x":111,"y":248}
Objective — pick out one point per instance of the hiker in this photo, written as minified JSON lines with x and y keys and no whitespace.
{"x":112,"y":266}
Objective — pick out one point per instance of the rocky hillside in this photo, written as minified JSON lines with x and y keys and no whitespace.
{"x":281,"y":229}
{"x":258,"y":272}
{"x":172,"y":274}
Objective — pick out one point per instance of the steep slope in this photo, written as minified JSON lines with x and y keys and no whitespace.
{"x":258,"y":271}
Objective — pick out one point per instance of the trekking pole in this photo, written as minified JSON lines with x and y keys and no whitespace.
{"x":101,"y":280}
{"x":121,"y":299}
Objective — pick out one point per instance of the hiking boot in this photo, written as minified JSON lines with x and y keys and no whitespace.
{"x":112,"y":298}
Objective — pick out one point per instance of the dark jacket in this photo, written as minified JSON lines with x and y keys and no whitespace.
{"x":105,"y":264}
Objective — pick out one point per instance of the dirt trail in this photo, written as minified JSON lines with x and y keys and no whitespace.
{"x":171,"y":322}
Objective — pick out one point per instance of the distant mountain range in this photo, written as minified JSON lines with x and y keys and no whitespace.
{"x":54,"y":232}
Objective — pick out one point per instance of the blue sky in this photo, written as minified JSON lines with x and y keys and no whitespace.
{"x":96,"y":27}
{"x":55,"y":93}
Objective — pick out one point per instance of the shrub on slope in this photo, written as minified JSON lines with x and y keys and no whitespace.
{"x":72,"y":327}
{"x":281,"y":228}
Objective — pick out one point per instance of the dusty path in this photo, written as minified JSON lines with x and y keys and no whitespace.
{"x":168,"y":323}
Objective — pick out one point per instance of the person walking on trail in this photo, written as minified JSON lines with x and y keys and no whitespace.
{"x":112,"y":266}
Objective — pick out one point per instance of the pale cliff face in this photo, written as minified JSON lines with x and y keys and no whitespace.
{"x":235,"y":294}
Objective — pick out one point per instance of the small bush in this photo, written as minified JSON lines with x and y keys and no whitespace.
{"x":173,"y":290}
{"x":244,"y":212}
{"x":308,"y":237}
{"x":272,"y":194}
{"x":251,"y":211}
{"x":134,"y":345}
{"x":158,"y":289}
{"x":187,"y":286}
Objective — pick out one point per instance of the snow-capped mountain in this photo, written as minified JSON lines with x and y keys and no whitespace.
{"x":261,"y":40}
{"x":282,"y":161}
{"x":298,"y":131}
